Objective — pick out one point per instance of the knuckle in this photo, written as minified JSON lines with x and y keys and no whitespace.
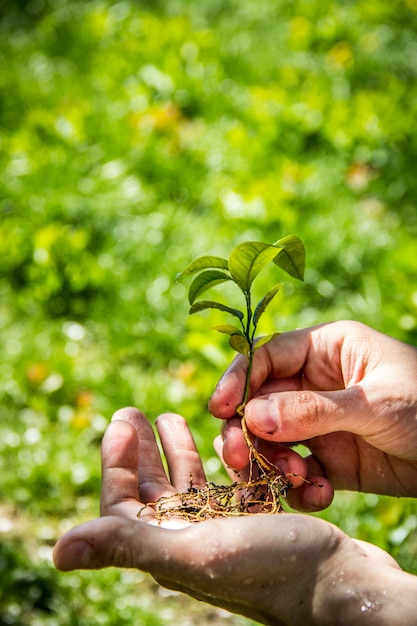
{"x":120,"y":554}
{"x":305,"y":408}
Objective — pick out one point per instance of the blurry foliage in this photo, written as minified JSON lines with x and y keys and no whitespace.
{"x":133,"y":136}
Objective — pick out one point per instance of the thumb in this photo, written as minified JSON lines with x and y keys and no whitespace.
{"x":106,"y":542}
{"x":300,"y":415}
{"x":96,"y":544}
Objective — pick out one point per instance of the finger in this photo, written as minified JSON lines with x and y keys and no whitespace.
{"x":235,"y":448}
{"x":315,"y":495}
{"x":109,"y":541}
{"x":153,"y":482}
{"x":300,"y":415}
{"x":311,"y":490}
{"x":236,"y":452}
{"x":120,"y":486}
{"x":304,"y":496}
{"x":286,"y":460}
{"x":118,"y":542}
{"x":281,"y":358}
{"x":218,"y":446}
{"x":236,"y":455}
{"x":229,"y":390}
{"x":184,"y":463}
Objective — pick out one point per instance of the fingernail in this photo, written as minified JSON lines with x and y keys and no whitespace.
{"x":75,"y":555}
{"x":263,"y":415}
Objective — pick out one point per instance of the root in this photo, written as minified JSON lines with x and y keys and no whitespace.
{"x":263,"y":492}
{"x":260,"y":495}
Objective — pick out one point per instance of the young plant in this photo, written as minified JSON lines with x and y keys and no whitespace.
{"x":266,"y":483}
{"x":245,"y":263}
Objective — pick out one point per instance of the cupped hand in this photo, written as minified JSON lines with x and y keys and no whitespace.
{"x":134,"y":475}
{"x":275,"y":569}
{"x":346,"y":391}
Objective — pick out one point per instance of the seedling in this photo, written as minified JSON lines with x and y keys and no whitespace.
{"x":244,"y":264}
{"x":266,"y":485}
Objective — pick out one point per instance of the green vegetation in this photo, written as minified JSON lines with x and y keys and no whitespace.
{"x":243,"y":266}
{"x":133,"y":136}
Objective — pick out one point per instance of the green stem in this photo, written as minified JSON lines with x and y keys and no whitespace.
{"x":254,"y":456}
{"x":247,"y":381}
{"x":248,"y":316}
{"x":249,"y":334}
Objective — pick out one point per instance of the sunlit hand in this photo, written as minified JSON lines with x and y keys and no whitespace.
{"x":131,"y":463}
{"x":347,"y":391}
{"x":276,"y":569}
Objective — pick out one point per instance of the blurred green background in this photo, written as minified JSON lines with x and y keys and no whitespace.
{"x":134,"y":136}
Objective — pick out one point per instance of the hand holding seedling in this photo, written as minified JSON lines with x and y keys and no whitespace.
{"x":349,"y":394}
{"x":265,"y":482}
{"x":345,"y":390}
{"x":275,"y":569}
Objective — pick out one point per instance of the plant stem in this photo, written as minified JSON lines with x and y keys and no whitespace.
{"x":263,"y":464}
{"x":249,"y":334}
{"x":247,"y":381}
{"x":248,"y":316}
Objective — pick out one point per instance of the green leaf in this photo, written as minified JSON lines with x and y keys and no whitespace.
{"x":203,"y":263}
{"x":204,"y":281}
{"x":209,"y":304}
{"x":248,"y":259}
{"x":263,"y":340}
{"x":240,"y":344}
{"x":262,"y":304}
{"x":237,"y":338}
{"x":228,"y":329}
{"x":292,"y":256}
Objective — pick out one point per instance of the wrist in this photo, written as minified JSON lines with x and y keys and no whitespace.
{"x":362,"y":589}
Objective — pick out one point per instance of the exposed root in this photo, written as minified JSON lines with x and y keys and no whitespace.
{"x":261,"y":493}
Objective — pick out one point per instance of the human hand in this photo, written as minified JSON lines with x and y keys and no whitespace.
{"x":131,"y":460}
{"x":275,"y":569}
{"x":346,"y":391}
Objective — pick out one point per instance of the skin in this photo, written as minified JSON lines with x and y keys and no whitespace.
{"x":287,"y":569}
{"x":346,"y":391}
